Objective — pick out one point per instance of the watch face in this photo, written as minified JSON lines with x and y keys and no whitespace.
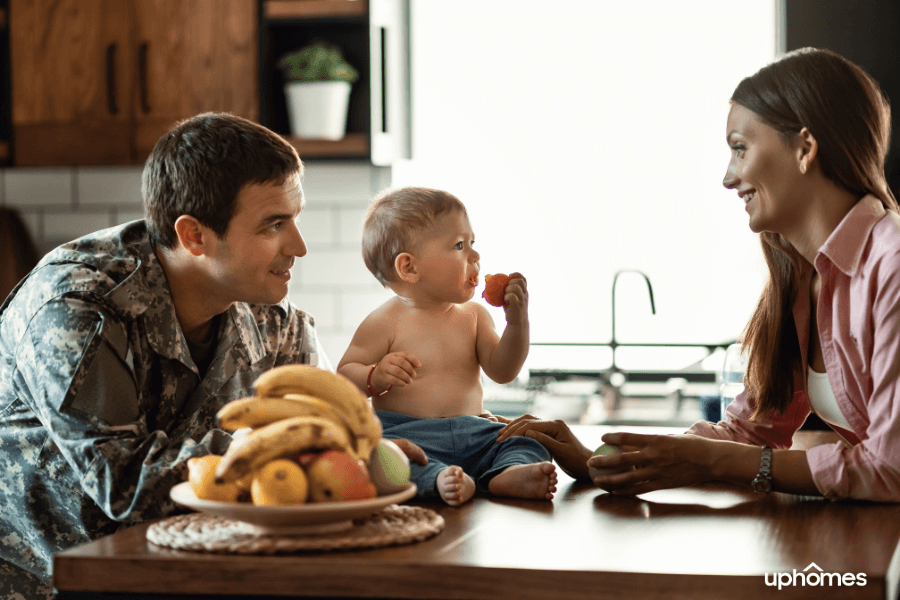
{"x":762,"y":485}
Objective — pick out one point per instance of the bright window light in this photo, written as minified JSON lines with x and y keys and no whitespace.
{"x":588,"y":137}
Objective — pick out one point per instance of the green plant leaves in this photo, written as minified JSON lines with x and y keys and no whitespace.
{"x":317,"y":62}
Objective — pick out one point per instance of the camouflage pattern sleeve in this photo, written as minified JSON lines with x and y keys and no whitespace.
{"x":101,"y":403}
{"x":297,"y":341}
{"x":85,"y":396}
{"x":79,"y":445}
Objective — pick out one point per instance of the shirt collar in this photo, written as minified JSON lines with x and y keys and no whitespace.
{"x":164,"y":332}
{"x":242,"y":325}
{"x":845,"y":246}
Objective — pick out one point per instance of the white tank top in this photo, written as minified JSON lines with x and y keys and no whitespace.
{"x":822,"y":400}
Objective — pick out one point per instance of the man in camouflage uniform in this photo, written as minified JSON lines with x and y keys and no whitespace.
{"x":119,"y":348}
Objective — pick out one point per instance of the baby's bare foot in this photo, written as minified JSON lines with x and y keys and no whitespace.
{"x":536,"y":480}
{"x":455,"y":486}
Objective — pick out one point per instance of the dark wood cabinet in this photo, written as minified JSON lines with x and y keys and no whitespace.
{"x":97,"y":82}
{"x":5,"y":118}
{"x":70,"y":94}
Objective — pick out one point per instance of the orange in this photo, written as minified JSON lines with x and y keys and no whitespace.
{"x":202,"y":479}
{"x":279,"y":482}
{"x":495,"y":289}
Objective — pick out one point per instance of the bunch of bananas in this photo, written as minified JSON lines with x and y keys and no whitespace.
{"x":297,"y":409}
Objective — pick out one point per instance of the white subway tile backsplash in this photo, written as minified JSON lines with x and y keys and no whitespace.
{"x":317,"y":226}
{"x":68,"y":225}
{"x":335,"y":344}
{"x":114,"y":186}
{"x":382,"y":178}
{"x":321,"y":305}
{"x":333,"y":268}
{"x":32,"y":221}
{"x":126,"y":216}
{"x":350,"y":227}
{"x":356,"y":306}
{"x":38,"y":187}
{"x":325,"y":182}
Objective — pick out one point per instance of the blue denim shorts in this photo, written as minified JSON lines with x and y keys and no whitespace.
{"x":467,"y":441}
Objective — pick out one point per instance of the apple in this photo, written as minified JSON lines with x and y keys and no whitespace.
{"x":604,"y":450}
{"x":307,"y":458}
{"x":335,"y":476}
{"x":388,"y":468}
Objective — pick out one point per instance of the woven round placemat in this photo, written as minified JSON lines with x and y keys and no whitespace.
{"x":201,"y":532}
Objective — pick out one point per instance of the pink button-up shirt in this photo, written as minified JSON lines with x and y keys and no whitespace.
{"x":858,"y":317}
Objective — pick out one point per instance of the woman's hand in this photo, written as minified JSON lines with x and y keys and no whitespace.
{"x":658,"y":461}
{"x":412,"y":451}
{"x":486,"y":414}
{"x":570,"y":454}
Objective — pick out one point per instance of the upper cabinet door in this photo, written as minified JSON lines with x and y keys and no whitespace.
{"x":390,"y":85}
{"x":71,"y":98}
{"x":193,"y":56}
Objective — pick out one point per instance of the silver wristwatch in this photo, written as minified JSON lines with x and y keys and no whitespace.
{"x":763,"y":481}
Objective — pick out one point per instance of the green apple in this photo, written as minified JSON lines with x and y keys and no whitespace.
{"x":605,"y":450}
{"x":388,"y":468}
{"x":335,"y":476}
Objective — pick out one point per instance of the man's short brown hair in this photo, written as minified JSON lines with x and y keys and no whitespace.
{"x":392,"y":221}
{"x":201,"y":164}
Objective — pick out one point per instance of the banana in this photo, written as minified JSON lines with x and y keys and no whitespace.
{"x":258,"y":411}
{"x":283,"y":438}
{"x":337,"y":390}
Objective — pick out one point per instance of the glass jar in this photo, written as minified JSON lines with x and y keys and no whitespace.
{"x":732,"y":377}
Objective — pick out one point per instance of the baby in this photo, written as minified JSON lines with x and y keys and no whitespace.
{"x":419,"y":355}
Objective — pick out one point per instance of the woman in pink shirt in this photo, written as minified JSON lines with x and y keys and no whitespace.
{"x":808,"y":135}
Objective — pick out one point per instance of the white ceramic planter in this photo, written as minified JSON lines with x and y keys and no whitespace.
{"x":318,"y":109}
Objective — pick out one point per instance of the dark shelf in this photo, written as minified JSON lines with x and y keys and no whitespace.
{"x":288,"y":25}
{"x":293,"y":9}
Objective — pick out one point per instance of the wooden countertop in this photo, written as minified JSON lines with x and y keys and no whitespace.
{"x":711,"y":541}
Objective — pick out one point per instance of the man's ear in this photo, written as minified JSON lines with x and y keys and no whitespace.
{"x":405,"y":266}
{"x":807,"y":149}
{"x":190,"y":234}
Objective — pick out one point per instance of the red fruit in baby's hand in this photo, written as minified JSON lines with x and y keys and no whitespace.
{"x":495,"y":289}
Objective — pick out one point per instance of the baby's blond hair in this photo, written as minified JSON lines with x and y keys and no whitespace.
{"x":392,"y":221}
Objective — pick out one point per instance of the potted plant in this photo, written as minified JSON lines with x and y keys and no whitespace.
{"x":317,"y":89}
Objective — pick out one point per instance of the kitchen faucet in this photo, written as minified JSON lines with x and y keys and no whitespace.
{"x":613,"y":343}
{"x":612,"y":380}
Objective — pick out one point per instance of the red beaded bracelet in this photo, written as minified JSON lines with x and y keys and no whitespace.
{"x":372,"y":393}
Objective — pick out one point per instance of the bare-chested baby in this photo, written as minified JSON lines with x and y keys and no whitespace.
{"x":419,"y":356}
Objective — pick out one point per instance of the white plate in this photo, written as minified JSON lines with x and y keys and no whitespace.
{"x":299,"y":519}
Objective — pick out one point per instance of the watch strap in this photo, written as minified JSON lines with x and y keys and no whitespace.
{"x":762,"y":483}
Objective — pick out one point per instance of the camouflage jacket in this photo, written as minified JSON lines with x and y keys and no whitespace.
{"x":101,"y":404}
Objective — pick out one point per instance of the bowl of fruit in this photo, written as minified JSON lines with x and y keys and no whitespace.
{"x":307,"y":458}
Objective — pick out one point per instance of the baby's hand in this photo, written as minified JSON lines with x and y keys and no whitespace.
{"x":397,"y":369}
{"x":516,"y":299}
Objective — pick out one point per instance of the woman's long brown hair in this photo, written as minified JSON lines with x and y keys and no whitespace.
{"x":849,"y":116}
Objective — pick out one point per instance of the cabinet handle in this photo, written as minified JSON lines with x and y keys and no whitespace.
{"x":111,"y":79}
{"x":384,"y":81}
{"x":142,"y":71}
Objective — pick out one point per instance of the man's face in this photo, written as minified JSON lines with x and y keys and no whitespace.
{"x":252,"y":262}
